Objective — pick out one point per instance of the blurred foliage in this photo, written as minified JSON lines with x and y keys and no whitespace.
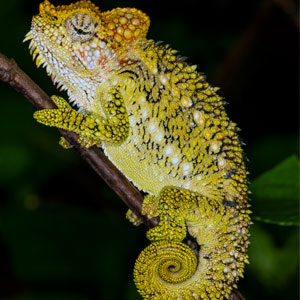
{"x":275,"y":194}
{"x":63,"y":235}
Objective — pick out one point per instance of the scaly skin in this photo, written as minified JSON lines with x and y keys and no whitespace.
{"x":165,"y":128}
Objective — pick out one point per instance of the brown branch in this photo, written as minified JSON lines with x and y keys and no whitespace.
{"x":236,"y":295}
{"x":291,"y":9}
{"x":13,"y":75}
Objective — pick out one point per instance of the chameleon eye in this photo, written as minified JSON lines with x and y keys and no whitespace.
{"x":81,"y":27}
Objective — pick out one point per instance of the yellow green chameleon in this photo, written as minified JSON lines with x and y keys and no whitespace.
{"x":165,"y":128}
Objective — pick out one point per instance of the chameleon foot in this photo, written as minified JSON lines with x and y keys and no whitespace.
{"x":92,"y":129}
{"x":133,"y":218}
{"x":167,"y":206}
{"x":64,"y":143}
{"x":150,"y":209}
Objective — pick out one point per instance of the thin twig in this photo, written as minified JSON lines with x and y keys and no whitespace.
{"x":291,"y":9}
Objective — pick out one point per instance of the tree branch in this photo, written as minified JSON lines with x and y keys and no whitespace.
{"x":13,"y":75}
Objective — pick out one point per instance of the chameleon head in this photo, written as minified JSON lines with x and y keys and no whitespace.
{"x":77,"y":41}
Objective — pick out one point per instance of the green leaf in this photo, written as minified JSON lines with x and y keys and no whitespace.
{"x":274,"y":264}
{"x":275,"y":194}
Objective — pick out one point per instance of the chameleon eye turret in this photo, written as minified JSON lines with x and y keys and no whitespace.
{"x":81,"y":27}
{"x":165,"y":128}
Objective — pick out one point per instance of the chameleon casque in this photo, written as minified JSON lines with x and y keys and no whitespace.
{"x":165,"y":128}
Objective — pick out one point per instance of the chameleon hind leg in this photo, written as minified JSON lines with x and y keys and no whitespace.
{"x":91,"y":129}
{"x":168,"y":206}
{"x":171,"y":207}
{"x":169,"y":270}
{"x":167,"y":262}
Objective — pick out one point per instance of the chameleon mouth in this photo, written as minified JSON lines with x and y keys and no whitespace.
{"x":34,"y":50}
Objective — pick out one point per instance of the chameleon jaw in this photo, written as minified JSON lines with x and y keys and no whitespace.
{"x":40,"y":60}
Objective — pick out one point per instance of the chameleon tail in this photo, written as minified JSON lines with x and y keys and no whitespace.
{"x":162,"y":269}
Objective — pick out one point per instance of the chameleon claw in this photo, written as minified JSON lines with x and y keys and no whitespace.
{"x":64,"y":143}
{"x":133,"y":218}
{"x":61,"y":103}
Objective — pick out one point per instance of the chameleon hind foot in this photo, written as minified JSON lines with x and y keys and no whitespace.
{"x":149,"y":209}
{"x":168,"y":206}
{"x":64,"y":143}
{"x":133,"y":218}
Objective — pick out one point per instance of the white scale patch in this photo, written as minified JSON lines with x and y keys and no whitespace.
{"x":158,"y":137}
{"x":187,"y":168}
{"x":175,"y":159}
{"x":187,"y":184}
{"x":152,"y":127}
{"x":169,"y":149}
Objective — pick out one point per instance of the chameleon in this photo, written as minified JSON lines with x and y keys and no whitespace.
{"x":165,"y":128}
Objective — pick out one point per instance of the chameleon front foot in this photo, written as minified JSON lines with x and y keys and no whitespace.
{"x":65,"y":117}
{"x":54,"y":117}
{"x":92,"y":129}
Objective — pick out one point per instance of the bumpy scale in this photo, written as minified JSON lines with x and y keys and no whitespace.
{"x":165,"y":128}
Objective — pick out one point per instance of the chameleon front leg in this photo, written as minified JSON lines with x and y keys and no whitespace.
{"x":91,"y":129}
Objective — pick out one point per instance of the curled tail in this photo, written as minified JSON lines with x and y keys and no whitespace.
{"x":162,"y":268}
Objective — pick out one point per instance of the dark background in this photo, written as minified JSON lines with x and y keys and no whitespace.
{"x":63,"y":234}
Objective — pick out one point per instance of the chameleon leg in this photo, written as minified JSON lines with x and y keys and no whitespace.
{"x":166,"y":262}
{"x":91,"y":129}
{"x":171,"y":211}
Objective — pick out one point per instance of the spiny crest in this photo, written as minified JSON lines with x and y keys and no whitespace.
{"x":62,"y":11}
{"x":124,"y":25}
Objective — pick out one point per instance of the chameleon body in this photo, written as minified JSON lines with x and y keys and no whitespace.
{"x":165,"y":128}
